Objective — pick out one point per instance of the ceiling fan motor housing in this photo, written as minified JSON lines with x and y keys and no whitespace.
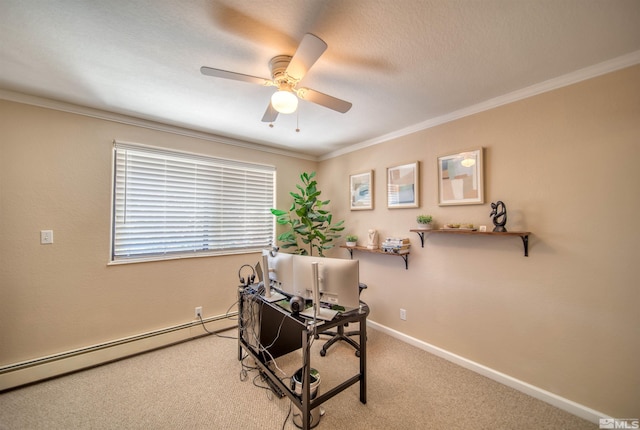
{"x":278,"y":66}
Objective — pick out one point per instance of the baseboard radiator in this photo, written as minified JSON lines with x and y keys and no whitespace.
{"x":26,"y":372}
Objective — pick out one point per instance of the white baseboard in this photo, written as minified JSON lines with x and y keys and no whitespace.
{"x":18,"y":374}
{"x":524,"y":387}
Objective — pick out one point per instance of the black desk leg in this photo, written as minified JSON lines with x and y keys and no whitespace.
{"x":240,"y":324}
{"x":240,"y":298}
{"x":363,"y":360}
{"x":306,"y":381}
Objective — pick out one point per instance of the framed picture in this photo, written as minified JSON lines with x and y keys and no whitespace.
{"x":402,"y":186}
{"x":460,"y":178}
{"x":361,"y":191}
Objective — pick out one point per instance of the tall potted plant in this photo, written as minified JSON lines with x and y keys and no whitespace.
{"x":308,"y":220}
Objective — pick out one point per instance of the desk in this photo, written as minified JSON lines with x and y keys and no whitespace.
{"x":259,"y":330}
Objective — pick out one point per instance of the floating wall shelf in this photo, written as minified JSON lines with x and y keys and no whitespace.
{"x":524,"y":235}
{"x":404,"y":256}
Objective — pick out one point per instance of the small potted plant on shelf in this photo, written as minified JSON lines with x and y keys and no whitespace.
{"x":352,"y":240}
{"x":424,"y":222}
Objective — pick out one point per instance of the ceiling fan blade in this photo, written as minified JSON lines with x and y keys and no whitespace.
{"x":324,"y":100}
{"x":310,"y":49}
{"x":234,"y":76}
{"x":270,"y":114}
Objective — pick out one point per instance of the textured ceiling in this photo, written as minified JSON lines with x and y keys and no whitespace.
{"x":400,"y":62}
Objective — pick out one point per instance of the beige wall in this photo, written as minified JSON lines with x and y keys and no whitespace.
{"x":566,"y":318}
{"x":55,"y":173}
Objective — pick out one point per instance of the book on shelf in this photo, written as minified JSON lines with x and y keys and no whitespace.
{"x":396,"y":250}
{"x":393,"y":241}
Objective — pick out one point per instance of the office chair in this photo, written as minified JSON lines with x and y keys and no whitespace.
{"x":340,"y":334}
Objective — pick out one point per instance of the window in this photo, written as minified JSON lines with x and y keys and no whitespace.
{"x":170,"y":205}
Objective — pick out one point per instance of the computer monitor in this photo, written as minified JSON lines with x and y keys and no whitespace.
{"x":281,"y":271}
{"x":338,"y":280}
{"x":280,"y":267}
{"x":270,"y":295}
{"x":303,"y":276}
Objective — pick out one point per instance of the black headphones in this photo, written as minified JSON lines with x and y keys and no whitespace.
{"x":250,"y":278}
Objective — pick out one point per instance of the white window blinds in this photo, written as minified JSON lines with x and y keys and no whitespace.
{"x":169,"y":204}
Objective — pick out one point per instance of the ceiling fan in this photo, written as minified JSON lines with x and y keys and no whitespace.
{"x":286,"y":72}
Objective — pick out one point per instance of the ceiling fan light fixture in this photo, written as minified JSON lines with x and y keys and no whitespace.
{"x":284,"y":101}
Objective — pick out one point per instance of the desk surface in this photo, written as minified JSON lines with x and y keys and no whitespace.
{"x":283,"y":306}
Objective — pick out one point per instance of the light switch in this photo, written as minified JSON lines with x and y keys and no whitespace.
{"x":46,"y":237}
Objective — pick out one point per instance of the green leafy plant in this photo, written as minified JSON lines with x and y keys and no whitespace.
{"x":351,"y":238}
{"x":308,"y":220}
{"x":424,"y":219}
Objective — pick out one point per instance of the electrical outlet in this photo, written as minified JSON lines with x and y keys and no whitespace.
{"x":403,"y":314}
{"x":46,"y":237}
{"x":198,"y":312}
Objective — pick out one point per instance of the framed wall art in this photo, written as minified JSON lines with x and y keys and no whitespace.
{"x":460,"y":178}
{"x":361,"y":191}
{"x":403,"y":186}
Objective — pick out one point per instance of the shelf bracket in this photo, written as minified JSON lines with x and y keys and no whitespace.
{"x":405,"y":257}
{"x":350,"y":252}
{"x":525,"y":243}
{"x":421,"y":234}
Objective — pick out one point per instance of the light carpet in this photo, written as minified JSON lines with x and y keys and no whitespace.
{"x":199,"y":385}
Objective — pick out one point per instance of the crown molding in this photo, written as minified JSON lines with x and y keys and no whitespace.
{"x":143,"y":123}
{"x":603,"y":68}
